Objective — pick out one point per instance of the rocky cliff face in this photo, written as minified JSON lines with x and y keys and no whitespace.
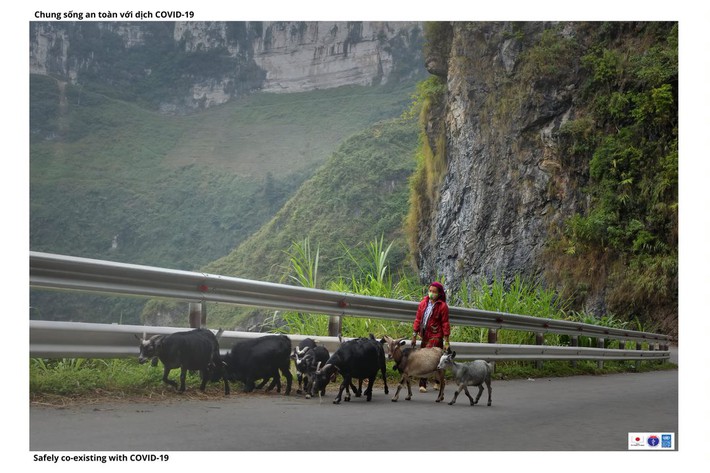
{"x":306,"y":56}
{"x":496,"y":202}
{"x":546,"y":142}
{"x":221,"y":60}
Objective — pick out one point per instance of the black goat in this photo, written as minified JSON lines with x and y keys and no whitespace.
{"x":260,"y":358}
{"x":192,"y":350}
{"x":358,"y":358}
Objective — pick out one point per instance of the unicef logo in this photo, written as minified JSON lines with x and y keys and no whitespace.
{"x":653,"y":441}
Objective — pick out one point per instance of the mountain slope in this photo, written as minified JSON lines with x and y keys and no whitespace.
{"x":360,"y":194}
{"x":112,"y":180}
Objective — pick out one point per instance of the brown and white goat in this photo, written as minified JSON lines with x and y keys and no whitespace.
{"x":415,"y":363}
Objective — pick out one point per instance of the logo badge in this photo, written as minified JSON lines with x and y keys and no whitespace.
{"x":651,"y":441}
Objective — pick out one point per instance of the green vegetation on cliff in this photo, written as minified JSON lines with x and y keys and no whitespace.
{"x":430,"y":157}
{"x":613,"y":161}
{"x":629,"y":138}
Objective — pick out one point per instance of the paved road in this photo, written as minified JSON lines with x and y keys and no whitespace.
{"x":583,"y":413}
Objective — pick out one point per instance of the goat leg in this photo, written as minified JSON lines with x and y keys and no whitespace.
{"x":204,"y":373}
{"x":358,"y":393}
{"x":468,"y":394}
{"x":399,"y":387}
{"x":368,"y":391}
{"x":289,"y":379}
{"x":276,"y":382}
{"x":183,"y":374}
{"x":172,"y":383}
{"x":301,"y":384}
{"x":480,"y":391}
{"x":456,"y":394}
{"x":340,"y":392}
{"x":442,"y":383}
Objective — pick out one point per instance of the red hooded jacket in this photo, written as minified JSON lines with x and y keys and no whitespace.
{"x":437,"y":326}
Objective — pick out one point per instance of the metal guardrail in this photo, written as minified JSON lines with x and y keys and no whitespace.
{"x":50,"y":339}
{"x":83,"y":274}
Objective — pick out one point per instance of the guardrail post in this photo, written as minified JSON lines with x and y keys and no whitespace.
{"x":600,"y":344}
{"x":638,"y":362}
{"x":493,"y":338}
{"x":539,"y":340}
{"x":334,"y":326}
{"x":665,"y":347}
{"x":575,"y":343}
{"x":197,"y":314}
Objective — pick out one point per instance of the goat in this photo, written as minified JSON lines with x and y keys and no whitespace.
{"x":415,"y":363}
{"x":473,"y":373}
{"x":303,"y":365}
{"x":192,"y":350}
{"x":358,"y":358}
{"x":260,"y":358}
{"x":308,"y":364}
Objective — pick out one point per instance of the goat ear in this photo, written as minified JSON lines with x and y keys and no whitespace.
{"x":453,"y":355}
{"x":402,"y":342}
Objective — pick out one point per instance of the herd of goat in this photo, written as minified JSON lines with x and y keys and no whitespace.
{"x":268,"y":358}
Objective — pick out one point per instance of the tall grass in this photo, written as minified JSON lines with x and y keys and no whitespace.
{"x":522,"y":297}
{"x":303,"y":271}
{"x":303,"y":263}
{"x":373,"y":277}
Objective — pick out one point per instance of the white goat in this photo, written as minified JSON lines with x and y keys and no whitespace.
{"x":473,"y":373}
